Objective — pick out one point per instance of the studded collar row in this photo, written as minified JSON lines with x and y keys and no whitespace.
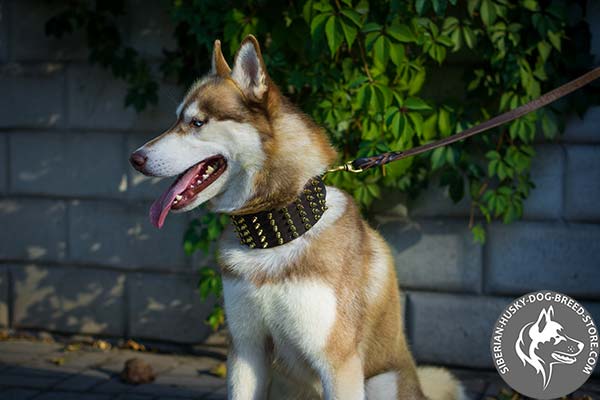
{"x":275,"y":227}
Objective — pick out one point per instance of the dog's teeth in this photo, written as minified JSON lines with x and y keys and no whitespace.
{"x":204,"y":176}
{"x":209,"y":169}
{"x":178,"y":197}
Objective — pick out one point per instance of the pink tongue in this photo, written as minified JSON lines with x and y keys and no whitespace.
{"x":161,"y":207}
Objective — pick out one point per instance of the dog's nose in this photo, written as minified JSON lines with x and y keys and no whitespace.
{"x":138,"y":160}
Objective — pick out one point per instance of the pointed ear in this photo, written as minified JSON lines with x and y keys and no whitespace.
{"x":542,"y":320}
{"x":249,"y":69}
{"x":219,"y":65}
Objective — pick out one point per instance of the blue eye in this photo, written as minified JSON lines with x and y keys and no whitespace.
{"x":197,"y":123}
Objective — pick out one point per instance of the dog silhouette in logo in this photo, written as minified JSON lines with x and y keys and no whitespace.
{"x":544,"y":343}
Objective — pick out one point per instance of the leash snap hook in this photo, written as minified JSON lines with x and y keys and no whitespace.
{"x":348,"y":167}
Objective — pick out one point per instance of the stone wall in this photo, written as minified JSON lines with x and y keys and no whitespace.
{"x":77,"y":253}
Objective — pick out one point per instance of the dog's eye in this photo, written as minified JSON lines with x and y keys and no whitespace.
{"x":197,"y":123}
{"x":557,"y":339}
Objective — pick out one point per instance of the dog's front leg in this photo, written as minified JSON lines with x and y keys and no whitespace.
{"x":247,"y":372}
{"x":344,"y":381}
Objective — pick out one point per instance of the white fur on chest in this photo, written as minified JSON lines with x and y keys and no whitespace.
{"x":297,"y":313}
{"x":245,"y":261}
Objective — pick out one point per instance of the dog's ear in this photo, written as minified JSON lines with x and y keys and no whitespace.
{"x":219,"y":65}
{"x":544,"y":318}
{"x":249,"y":69}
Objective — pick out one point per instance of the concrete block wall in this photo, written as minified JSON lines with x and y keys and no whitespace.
{"x":455,"y":289}
{"x":77,"y":253}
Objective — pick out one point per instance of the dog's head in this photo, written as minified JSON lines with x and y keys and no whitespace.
{"x":544,"y":342}
{"x":236,"y":143}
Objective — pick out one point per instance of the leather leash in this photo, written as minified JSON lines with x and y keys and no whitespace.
{"x":361,"y":164}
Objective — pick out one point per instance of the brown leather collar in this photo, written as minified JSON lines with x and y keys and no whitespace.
{"x":275,"y":227}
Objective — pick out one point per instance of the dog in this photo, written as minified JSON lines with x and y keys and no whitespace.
{"x":318,"y":304}
{"x":543,"y":344}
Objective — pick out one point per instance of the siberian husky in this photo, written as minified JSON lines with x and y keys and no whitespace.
{"x":319,"y":304}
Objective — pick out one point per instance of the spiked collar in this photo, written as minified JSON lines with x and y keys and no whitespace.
{"x":278,"y":226}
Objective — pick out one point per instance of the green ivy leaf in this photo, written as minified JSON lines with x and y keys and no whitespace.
{"x":416,"y":104}
{"x":478,"y":234}
{"x":549,"y":124}
{"x":439,"y":6}
{"x":472,"y":5}
{"x":334,"y":34}
{"x":417,"y":82}
{"x":488,"y":12}
{"x":444,"y":123}
{"x":469,"y":37}
{"x":438,"y":157}
{"x":401,"y":33}
{"x":352,"y":16}
{"x":555,"y":39}
{"x":371,"y":27}
{"x":397,"y":54}
{"x":317,"y":22}
{"x":430,"y":127}
{"x":421,"y":6}
{"x":544,"y":49}
{"x":381,"y":51}
{"x":350,"y":33}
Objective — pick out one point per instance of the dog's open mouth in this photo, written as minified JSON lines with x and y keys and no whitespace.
{"x":563,"y":358}
{"x":186,"y":187}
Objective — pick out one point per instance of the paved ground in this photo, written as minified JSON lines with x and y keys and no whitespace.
{"x":59,"y":371}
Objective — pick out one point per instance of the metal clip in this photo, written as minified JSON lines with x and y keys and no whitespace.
{"x":348,"y":167}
